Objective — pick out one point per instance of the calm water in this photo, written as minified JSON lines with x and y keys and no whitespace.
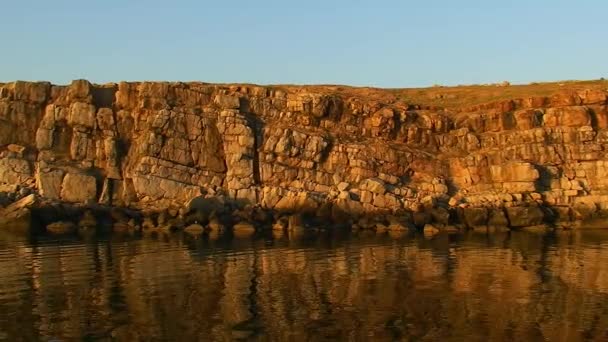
{"x":475,"y":287}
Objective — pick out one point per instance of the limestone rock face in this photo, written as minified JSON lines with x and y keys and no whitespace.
{"x":525,"y":216}
{"x":17,"y":216}
{"x":326,"y":150}
{"x":373,"y":185}
{"x":514,"y":172}
{"x":14,"y":170}
{"x":78,"y":188}
{"x":49,"y":183}
{"x":475,"y":216}
{"x":82,"y":114}
{"x":574,"y":116}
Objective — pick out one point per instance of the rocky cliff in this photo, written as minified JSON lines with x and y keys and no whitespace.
{"x":442,"y":155}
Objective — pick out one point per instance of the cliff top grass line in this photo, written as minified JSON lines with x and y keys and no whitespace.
{"x":460,"y":97}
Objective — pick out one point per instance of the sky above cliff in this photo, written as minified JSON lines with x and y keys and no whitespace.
{"x":379,"y":43}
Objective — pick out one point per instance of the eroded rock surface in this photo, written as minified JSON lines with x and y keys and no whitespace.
{"x":322,"y":150}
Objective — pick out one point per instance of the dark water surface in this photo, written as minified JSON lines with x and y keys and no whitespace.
{"x":472,"y":286}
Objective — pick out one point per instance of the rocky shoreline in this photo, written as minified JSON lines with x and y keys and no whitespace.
{"x":197,"y":156}
{"x":33,"y":215}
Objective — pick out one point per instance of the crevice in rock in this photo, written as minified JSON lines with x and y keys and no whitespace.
{"x":257,"y":126}
{"x":593,"y":119}
{"x":543,"y":183}
{"x":104,"y":95}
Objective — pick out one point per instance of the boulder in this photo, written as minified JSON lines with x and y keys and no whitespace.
{"x":374,"y":185}
{"x":44,"y":138}
{"x":440,"y":215}
{"x":49,"y":183}
{"x":380,"y":228}
{"x":14,"y":170}
{"x":475,"y":216}
{"x":583,"y":211}
{"x":421,"y":218}
{"x":148,"y":223}
{"x":398,"y":224}
{"x":18,"y":150}
{"x":227,"y":102}
{"x":17,"y":216}
{"x":243,"y":229}
{"x":194,"y":229}
{"x":82,"y":114}
{"x":429,"y":230}
{"x":61,"y":228}
{"x":215,"y":225}
{"x":525,"y":216}
{"x":105,"y":119}
{"x":80,"y":90}
{"x":344,"y":210}
{"x":497,"y":217}
{"x":514,"y":172}
{"x":206,"y":205}
{"x":573,"y":116}
{"x":564,"y":214}
{"x":342,"y":186}
{"x":79,"y":188}
{"x":88,"y":219}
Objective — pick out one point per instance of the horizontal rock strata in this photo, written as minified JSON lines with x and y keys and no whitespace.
{"x":326,"y":151}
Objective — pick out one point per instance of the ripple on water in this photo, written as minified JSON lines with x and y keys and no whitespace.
{"x":513,"y":286}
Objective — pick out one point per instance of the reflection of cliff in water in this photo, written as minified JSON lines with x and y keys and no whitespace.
{"x":516,"y":286}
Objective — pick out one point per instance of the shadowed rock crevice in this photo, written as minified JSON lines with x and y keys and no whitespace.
{"x":543,"y":183}
{"x":257,"y":126}
{"x":104,"y":96}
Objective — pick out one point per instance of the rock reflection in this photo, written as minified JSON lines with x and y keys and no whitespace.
{"x":518,"y":286}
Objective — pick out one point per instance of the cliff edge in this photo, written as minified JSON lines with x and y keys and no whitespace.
{"x":476,"y":156}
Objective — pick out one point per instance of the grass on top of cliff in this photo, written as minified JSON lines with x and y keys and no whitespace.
{"x":472,"y":95}
{"x":455,"y":97}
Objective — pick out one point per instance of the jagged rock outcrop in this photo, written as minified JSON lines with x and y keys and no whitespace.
{"x":331,"y":151}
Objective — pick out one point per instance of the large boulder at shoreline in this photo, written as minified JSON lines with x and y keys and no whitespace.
{"x":49,"y":183}
{"x":206,"y":205}
{"x":525,"y":216}
{"x":79,"y":188}
{"x":497,"y":217}
{"x":61,"y":228}
{"x":243,"y":229}
{"x":17,"y":217}
{"x":475,"y":216}
{"x":20,"y":221}
{"x":194,"y":229}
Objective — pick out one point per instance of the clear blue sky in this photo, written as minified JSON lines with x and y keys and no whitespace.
{"x":396,"y":43}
